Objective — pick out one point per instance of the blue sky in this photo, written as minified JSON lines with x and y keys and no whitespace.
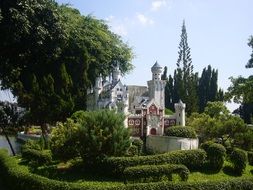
{"x":218,"y":32}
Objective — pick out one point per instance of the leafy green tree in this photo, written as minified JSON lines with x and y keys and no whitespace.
{"x":101,"y":134}
{"x":51,"y":54}
{"x":217,"y":123}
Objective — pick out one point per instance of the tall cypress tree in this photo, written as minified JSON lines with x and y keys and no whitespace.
{"x":208,"y":87}
{"x":185,"y":82}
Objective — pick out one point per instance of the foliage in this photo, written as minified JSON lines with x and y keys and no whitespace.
{"x":250,"y":157}
{"x":33,"y":144}
{"x":64,"y":140}
{"x":17,"y":177}
{"x":208,"y":88}
{"x":250,"y":62}
{"x":139,"y":144}
{"x":132,"y":151}
{"x":181,"y":131}
{"x":101,"y":134}
{"x":238,"y":158}
{"x":215,"y":155}
{"x":168,"y":112}
{"x":216,"y":123}
{"x":39,"y":157}
{"x":155,"y":172}
{"x":185,"y":81}
{"x":190,"y":158}
{"x":241,"y":90}
{"x":51,"y":54}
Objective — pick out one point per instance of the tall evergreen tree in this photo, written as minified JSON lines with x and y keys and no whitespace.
{"x":208,"y":88}
{"x":184,"y":79}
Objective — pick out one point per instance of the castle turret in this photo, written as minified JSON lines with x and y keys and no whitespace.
{"x":97,"y":90}
{"x":156,"y":85}
{"x":116,"y":74}
{"x":180,"y":113}
{"x":156,"y":71}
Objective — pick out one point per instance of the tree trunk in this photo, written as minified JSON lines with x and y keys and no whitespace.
{"x":8,"y":140}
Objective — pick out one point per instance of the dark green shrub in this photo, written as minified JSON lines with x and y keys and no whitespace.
{"x":101,"y":134}
{"x":215,"y":155}
{"x":139,"y":144}
{"x":37,"y":156}
{"x":155,"y":172}
{"x":180,"y":131}
{"x":132,"y":151}
{"x":192,"y":159}
{"x":250,"y":158}
{"x":238,"y":158}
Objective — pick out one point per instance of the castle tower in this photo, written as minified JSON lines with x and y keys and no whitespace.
{"x":180,"y":113}
{"x":116,"y":74}
{"x":97,"y":90}
{"x":156,"y":85}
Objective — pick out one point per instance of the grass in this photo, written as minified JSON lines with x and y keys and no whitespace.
{"x":74,"y":172}
{"x":225,"y":173}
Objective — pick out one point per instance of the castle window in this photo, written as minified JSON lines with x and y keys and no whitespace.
{"x":179,"y":114}
{"x":117,"y":89}
{"x":131,"y":122}
{"x":138,"y":111}
{"x":137,"y":122}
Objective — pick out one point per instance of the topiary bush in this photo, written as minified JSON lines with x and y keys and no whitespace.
{"x":139,"y":144}
{"x":192,"y":159}
{"x":181,"y":131}
{"x":250,"y":158}
{"x":151,"y":173}
{"x":215,"y":155}
{"x":238,"y":158}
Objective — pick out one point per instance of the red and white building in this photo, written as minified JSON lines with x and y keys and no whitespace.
{"x":143,"y":106}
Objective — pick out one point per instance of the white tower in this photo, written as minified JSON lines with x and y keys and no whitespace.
{"x":180,"y":113}
{"x":116,"y":74}
{"x":97,"y":90}
{"x":156,"y":85}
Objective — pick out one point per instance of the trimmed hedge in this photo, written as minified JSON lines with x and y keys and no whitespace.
{"x":238,"y":158}
{"x":181,"y":131}
{"x":250,"y":158}
{"x":18,"y":178}
{"x":215,"y":155}
{"x":192,"y":159}
{"x":155,"y":172}
{"x":38,"y":156}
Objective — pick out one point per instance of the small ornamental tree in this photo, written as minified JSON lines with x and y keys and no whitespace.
{"x":101,"y":134}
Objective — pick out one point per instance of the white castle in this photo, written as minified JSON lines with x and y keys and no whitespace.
{"x":143,"y":106}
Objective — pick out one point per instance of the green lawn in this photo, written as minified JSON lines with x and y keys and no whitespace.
{"x":66,"y":172}
{"x":225,"y":173}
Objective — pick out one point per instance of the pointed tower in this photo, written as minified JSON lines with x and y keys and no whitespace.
{"x":156,"y":85}
{"x":180,"y":113}
{"x":116,"y":74}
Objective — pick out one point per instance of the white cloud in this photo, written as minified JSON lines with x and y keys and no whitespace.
{"x":144,"y":20}
{"x":157,"y":4}
{"x":120,"y":29}
{"x":117,"y":26}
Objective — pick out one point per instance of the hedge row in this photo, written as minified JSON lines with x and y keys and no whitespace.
{"x":192,"y":159}
{"x":18,"y":178}
{"x":155,"y":172}
{"x":250,"y":158}
{"x":181,"y":131}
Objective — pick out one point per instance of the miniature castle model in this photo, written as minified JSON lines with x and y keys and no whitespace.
{"x":144,"y":107}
